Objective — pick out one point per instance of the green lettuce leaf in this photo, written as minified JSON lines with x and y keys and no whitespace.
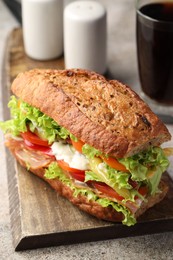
{"x":54,"y":171}
{"x":109,"y":176}
{"x":24,"y":115}
{"x":128,"y":220}
{"x":147,"y":166}
{"x":91,"y":176}
{"x":90,"y":151}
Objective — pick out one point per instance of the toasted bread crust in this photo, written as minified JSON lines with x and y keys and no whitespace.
{"x":105,"y":114}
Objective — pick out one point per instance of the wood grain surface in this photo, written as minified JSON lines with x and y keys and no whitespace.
{"x":41,"y":218}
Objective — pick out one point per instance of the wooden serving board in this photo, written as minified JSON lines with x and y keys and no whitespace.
{"x":41,"y":218}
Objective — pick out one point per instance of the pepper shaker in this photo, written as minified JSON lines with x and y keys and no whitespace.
{"x":85,"y":36}
{"x":42,"y":22}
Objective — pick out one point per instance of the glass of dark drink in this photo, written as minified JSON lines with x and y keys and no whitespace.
{"x":154,"y":35}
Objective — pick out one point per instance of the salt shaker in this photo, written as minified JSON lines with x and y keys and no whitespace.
{"x":85,"y":36}
{"x":42,"y":22}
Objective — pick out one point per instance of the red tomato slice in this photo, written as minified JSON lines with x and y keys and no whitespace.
{"x":78,"y":176}
{"x":112,"y":162}
{"x":33,"y":138}
{"x":75,"y":173}
{"x":143,"y":190}
{"x":45,"y":149}
{"x":78,"y":145}
{"x":105,"y":189}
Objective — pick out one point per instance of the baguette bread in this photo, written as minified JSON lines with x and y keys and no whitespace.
{"x":116,"y":120}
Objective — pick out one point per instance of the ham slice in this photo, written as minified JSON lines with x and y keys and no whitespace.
{"x":31,"y":158}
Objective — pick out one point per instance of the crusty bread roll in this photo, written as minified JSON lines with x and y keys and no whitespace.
{"x":105,"y":114}
{"x":116,"y":120}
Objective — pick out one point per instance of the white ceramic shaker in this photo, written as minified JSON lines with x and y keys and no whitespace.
{"x":42,"y":22}
{"x":85,"y":36}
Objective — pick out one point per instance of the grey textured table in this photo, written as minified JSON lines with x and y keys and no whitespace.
{"x":122,"y":66}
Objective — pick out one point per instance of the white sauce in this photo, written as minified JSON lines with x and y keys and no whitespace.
{"x":67,"y":153}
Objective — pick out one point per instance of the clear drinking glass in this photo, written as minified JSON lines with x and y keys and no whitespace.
{"x":154,"y":36}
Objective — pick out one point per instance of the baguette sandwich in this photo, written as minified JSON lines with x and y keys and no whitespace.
{"x":93,"y":140}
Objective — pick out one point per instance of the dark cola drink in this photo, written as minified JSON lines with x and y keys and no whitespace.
{"x":155,"y":50}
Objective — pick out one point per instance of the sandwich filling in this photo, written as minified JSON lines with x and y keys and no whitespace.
{"x":123,"y":183}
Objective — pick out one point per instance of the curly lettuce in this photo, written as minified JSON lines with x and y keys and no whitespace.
{"x":147,"y":166}
{"x":24,"y":115}
{"x":90,"y":151}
